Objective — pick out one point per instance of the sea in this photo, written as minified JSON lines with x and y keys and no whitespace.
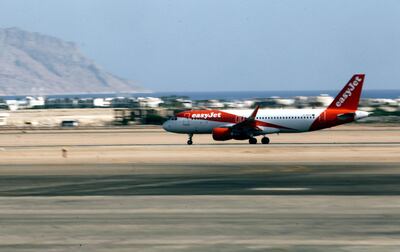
{"x":228,"y":95}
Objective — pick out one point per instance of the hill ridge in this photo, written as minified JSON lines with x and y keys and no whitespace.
{"x":35,"y":64}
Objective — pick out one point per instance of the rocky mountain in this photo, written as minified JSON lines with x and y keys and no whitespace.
{"x":36,"y":64}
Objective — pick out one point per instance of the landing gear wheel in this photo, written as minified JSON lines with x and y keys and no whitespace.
{"x":190,"y":141}
{"x":265,"y":140}
{"x":252,"y":140}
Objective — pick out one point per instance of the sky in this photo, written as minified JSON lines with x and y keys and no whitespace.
{"x":226,"y":45}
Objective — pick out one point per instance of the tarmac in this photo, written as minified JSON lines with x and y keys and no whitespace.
{"x":146,"y":190}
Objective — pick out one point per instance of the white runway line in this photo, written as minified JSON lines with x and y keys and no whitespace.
{"x":280,"y":189}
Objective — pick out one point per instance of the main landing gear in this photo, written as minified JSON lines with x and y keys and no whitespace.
{"x":252,"y":140}
{"x":190,"y":141}
{"x":264,"y":140}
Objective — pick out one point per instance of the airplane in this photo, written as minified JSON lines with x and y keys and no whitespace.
{"x":247,"y":124}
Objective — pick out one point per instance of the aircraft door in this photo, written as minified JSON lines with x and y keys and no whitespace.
{"x":186,"y":120}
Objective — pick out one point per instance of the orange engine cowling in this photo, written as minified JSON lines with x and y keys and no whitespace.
{"x":222,"y":134}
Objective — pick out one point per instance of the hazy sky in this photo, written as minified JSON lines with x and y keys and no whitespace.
{"x":206,"y":45}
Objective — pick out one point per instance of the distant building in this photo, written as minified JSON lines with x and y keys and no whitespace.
{"x":383,"y":101}
{"x":28,"y":102}
{"x":215,"y":104}
{"x":248,"y":103}
{"x":14,"y":105}
{"x":324,"y":100}
{"x":102,"y":102}
{"x":239,"y":104}
{"x":185,"y":103}
{"x":285,"y":101}
{"x":35,"y":102}
{"x":149,"y":102}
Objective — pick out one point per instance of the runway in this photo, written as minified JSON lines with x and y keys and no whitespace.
{"x":201,"y":223}
{"x":231,"y":179}
{"x":145,"y":190}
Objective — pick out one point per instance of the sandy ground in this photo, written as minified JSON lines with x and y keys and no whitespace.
{"x":54,"y":117}
{"x":153,"y":145}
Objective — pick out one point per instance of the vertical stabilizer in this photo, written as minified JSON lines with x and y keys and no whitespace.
{"x":349,"y":97}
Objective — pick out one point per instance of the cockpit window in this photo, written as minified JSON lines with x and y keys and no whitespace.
{"x":173,"y":118}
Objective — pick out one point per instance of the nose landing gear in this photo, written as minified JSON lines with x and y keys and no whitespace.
{"x":190,"y":141}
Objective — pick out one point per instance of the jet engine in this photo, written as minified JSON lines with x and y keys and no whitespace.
{"x":222,"y":134}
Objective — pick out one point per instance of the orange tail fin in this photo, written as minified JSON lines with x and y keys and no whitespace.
{"x":349,"y":97}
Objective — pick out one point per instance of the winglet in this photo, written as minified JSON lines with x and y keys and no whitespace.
{"x":254,"y":114}
{"x":349,"y":97}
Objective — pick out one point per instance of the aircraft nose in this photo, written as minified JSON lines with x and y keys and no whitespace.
{"x":166,"y":125}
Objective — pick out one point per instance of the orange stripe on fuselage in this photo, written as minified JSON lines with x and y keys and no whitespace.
{"x":221,"y":116}
{"x":329,"y":118}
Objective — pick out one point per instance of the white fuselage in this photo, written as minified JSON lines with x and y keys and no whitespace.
{"x":294,"y":120}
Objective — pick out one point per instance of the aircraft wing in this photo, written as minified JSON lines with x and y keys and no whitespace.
{"x":247,"y":126}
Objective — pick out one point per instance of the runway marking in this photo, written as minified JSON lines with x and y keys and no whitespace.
{"x":280,"y":189}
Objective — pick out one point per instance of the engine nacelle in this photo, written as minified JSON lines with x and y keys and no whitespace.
{"x":222,"y":134}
